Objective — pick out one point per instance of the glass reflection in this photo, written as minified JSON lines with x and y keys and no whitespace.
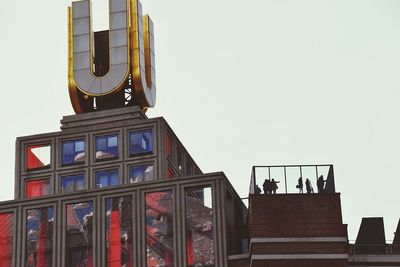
{"x":159,"y":229}
{"x":199,"y":227}
{"x":79,"y":235}
{"x":6,"y":239}
{"x":37,"y":188}
{"x":39,"y":237}
{"x":119,"y":233}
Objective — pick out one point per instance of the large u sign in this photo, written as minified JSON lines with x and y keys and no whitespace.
{"x":100,"y":84}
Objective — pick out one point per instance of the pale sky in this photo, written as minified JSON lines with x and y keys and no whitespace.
{"x":242,"y":83}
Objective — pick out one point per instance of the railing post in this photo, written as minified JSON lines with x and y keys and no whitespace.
{"x":284,"y":168}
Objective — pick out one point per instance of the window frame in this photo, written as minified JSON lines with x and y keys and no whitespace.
{"x":135,"y":236}
{"x":24,"y":228}
{"x":109,"y":168}
{"x":216,"y":224}
{"x":153,"y":144}
{"x":63,"y":238}
{"x":96,"y":135}
{"x":175,"y":226}
{"x":74,"y":140}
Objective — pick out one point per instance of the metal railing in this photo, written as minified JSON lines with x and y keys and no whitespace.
{"x":285,"y":179}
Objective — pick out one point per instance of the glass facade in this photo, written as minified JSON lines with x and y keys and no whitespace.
{"x":107,"y":178}
{"x":6,"y":239}
{"x":119,"y":232}
{"x":168,"y":147}
{"x":140,"y":142}
{"x":73,"y":152}
{"x":107,"y":147}
{"x":159,"y":229}
{"x":79,"y":235}
{"x":36,"y":188}
{"x":199,"y":227}
{"x":39,"y":237}
{"x":38,"y":157}
{"x":141,"y":173}
{"x":72,"y":183}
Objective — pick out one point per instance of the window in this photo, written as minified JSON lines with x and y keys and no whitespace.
{"x":107,"y":178}
{"x":140,"y":142}
{"x":79,"y":235}
{"x":119,"y":232}
{"x":39,"y":237}
{"x":107,"y":147}
{"x":38,"y":157}
{"x":159,"y":229}
{"x":189,"y":168}
{"x":6,"y":237}
{"x":37,"y":188}
{"x":199,"y":227}
{"x":141,"y":173}
{"x":72,"y":183}
{"x":179,"y":156}
{"x":170,"y":173}
{"x":73,"y":152}
{"x":168,"y":146}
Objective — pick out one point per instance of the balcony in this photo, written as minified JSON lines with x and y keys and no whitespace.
{"x":292,"y":179}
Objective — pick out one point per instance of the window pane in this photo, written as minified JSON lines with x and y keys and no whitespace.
{"x":168,"y":144}
{"x":39,"y":237}
{"x":38,"y":157}
{"x":179,"y":157}
{"x":107,"y":178}
{"x":142,"y":173}
{"x":73,"y":183}
{"x":79,"y":235}
{"x":6,"y":239}
{"x":199,"y":227}
{"x":73,"y":152}
{"x":119,"y":233}
{"x":189,"y":168}
{"x":159,"y":229}
{"x":37,"y":188}
{"x":141,"y":142}
{"x":107,"y":147}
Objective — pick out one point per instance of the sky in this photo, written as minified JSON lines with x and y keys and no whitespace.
{"x":242,"y":83}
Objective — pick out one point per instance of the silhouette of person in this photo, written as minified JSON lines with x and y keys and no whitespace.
{"x":274,"y":186}
{"x":267,"y":186}
{"x":257,"y":190}
{"x":308,"y":186}
{"x":300,"y":185}
{"x":320,"y":184}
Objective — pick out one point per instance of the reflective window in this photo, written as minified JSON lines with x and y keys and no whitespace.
{"x":159,"y":229}
{"x":199,"y":227}
{"x":38,"y":157}
{"x":119,"y":232}
{"x":39,"y":237}
{"x":107,"y":147}
{"x":72,"y":183}
{"x":140,"y":142}
{"x":179,"y":157}
{"x":168,"y":147}
{"x":107,"y":178}
{"x":73,"y":152}
{"x":170,"y":173}
{"x":79,"y":235}
{"x":38,"y":188}
{"x":141,"y":173}
{"x":189,"y":168}
{"x":6,"y":239}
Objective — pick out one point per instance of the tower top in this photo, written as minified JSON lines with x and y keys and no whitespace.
{"x":113,"y":68}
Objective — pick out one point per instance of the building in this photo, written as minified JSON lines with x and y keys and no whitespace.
{"x":116,"y":188}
